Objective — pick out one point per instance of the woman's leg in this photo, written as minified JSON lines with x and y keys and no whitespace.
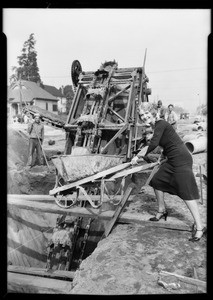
{"x":160,"y":200}
{"x":193,"y":207}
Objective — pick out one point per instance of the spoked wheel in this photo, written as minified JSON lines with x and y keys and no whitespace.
{"x":66,"y":201}
{"x":76,"y":69}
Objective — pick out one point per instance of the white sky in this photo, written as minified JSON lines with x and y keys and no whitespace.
{"x":176,"y":42}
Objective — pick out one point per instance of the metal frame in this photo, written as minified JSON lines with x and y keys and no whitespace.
{"x":116,"y":116}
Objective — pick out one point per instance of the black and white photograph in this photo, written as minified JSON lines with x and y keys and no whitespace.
{"x":107,"y":150}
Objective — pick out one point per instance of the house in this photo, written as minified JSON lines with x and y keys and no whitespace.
{"x":30,"y":93}
{"x":55,"y":92}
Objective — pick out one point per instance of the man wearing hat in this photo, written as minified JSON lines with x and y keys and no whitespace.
{"x":161,"y":111}
{"x":36,"y":137}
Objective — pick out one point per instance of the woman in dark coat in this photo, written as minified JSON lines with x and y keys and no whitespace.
{"x":175,"y":176}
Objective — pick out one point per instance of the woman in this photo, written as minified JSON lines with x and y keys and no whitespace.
{"x":175,"y":176}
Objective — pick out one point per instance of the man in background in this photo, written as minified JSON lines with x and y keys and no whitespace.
{"x":161,"y":110}
{"x":171,"y":117}
{"x":36,"y":137}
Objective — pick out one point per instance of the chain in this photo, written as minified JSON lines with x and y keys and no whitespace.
{"x":112,"y":198}
{"x":52,"y":248}
{"x":63,"y":253}
{"x":75,"y":235}
{"x":84,"y":240}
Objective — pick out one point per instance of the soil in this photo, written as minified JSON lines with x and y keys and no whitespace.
{"x":128,"y":261}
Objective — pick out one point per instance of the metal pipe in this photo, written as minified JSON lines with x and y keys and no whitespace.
{"x":190,"y":137}
{"x":197,"y":145}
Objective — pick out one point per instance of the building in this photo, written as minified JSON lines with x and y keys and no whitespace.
{"x":30,"y":93}
{"x":62,"y":101}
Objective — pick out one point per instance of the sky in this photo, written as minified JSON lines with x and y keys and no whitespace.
{"x":176,"y":41}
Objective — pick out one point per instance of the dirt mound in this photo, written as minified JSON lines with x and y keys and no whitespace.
{"x":37,"y":180}
{"x":127,"y":262}
{"x":17,"y":147}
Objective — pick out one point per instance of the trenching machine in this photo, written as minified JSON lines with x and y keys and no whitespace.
{"x":103,"y":131}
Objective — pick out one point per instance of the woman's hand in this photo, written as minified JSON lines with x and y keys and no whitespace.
{"x":143,"y":151}
{"x":134,"y":160}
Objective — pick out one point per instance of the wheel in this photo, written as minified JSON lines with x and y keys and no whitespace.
{"x":76,"y":69}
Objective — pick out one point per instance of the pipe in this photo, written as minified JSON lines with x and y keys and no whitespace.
{"x":199,"y":126}
{"x":197,"y":145}
{"x":189,"y":137}
{"x":202,"y":126}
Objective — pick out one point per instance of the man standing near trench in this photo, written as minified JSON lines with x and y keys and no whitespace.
{"x":36,"y":137}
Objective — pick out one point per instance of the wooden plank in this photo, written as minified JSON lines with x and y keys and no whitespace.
{"x":134,"y":169}
{"x":125,"y":217}
{"x":74,"y":104}
{"x":120,"y":92}
{"x":118,"y":210}
{"x":89,"y":178}
{"x":116,"y":114}
{"x":195,"y":276}
{"x":185,"y":279}
{"x":115,"y":137}
{"x":119,"y":70}
{"x":58,"y":274}
{"x":23,"y":283}
{"x":154,"y":170}
{"x":42,"y":198}
{"x":129,"y":100}
{"x":102,"y":126}
{"x":51,"y":199}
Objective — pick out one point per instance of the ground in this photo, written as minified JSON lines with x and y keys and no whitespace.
{"x":129,"y":259}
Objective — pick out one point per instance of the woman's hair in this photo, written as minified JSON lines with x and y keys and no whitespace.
{"x":154,"y":112}
{"x":151,"y":107}
{"x":170,"y":105}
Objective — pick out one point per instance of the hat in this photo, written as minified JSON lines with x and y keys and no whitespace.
{"x":37,"y":115}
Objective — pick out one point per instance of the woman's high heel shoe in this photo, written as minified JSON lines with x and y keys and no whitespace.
{"x":194,"y":238}
{"x":163,"y":214}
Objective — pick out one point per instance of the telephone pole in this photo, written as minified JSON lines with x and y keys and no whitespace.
{"x":20,"y":96}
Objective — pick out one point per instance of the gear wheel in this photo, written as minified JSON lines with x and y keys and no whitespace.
{"x":76,"y":69}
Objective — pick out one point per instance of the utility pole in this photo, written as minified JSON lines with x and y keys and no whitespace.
{"x":20,"y":96}
{"x":199,"y":103}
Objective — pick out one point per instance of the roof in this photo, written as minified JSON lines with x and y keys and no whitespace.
{"x":30,"y":90}
{"x":53,"y":91}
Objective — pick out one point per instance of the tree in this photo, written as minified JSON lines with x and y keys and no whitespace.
{"x":202,"y":109}
{"x":178,"y":109}
{"x":27,"y":61}
{"x":69,"y":94}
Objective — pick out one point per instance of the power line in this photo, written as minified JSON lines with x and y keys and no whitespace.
{"x":176,"y":70}
{"x":56,"y":77}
